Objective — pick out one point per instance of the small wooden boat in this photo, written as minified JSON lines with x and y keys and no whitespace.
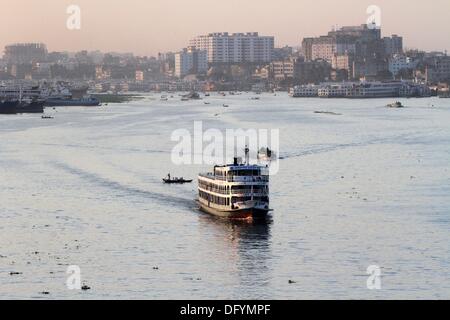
{"x":176,"y":181}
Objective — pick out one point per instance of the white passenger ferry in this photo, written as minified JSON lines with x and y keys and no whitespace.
{"x":236,"y":191}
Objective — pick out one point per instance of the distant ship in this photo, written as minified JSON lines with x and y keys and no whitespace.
{"x":235,"y":191}
{"x":21,"y":100}
{"x":65,"y":102}
{"x":362,"y":90}
{"x":63,"y":94}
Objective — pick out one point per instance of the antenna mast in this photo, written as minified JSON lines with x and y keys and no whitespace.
{"x":247,"y":155}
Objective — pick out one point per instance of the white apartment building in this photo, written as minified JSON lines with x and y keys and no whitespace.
{"x":235,"y":47}
{"x":191,"y":61}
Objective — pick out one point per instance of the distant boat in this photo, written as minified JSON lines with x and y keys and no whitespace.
{"x":328,"y":112}
{"x":265,"y":154}
{"x":397,"y":104}
{"x":47,"y":117}
{"x":176,"y":181}
{"x":191,"y":96}
{"x":225,"y":105}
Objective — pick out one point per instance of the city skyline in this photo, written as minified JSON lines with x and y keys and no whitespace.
{"x":149,"y":28}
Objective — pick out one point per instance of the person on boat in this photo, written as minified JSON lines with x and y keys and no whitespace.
{"x":168,"y":176}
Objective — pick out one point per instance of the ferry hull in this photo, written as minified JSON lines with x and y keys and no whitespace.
{"x":33,"y":107}
{"x":72,"y":103}
{"x":8,"y":107}
{"x":243,"y":214}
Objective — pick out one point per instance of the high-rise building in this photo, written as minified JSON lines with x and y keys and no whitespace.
{"x":25,"y":53}
{"x":191,"y":61}
{"x":393,"y":45}
{"x":356,"y":40}
{"x":438,"y":69}
{"x":236,"y":47}
{"x":357,"y":50}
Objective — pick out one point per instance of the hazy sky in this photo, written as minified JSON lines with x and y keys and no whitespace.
{"x":152,"y":26}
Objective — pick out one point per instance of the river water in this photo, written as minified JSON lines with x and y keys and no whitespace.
{"x":365,"y":186}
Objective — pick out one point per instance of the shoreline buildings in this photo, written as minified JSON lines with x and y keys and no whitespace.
{"x":235,"y":61}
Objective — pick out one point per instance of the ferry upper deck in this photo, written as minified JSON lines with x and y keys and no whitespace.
{"x":238,"y":174}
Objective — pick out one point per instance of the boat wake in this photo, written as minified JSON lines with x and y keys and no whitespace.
{"x":124,"y":189}
{"x":319,"y":149}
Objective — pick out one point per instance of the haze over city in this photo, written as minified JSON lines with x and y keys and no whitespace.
{"x":147,"y":28}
